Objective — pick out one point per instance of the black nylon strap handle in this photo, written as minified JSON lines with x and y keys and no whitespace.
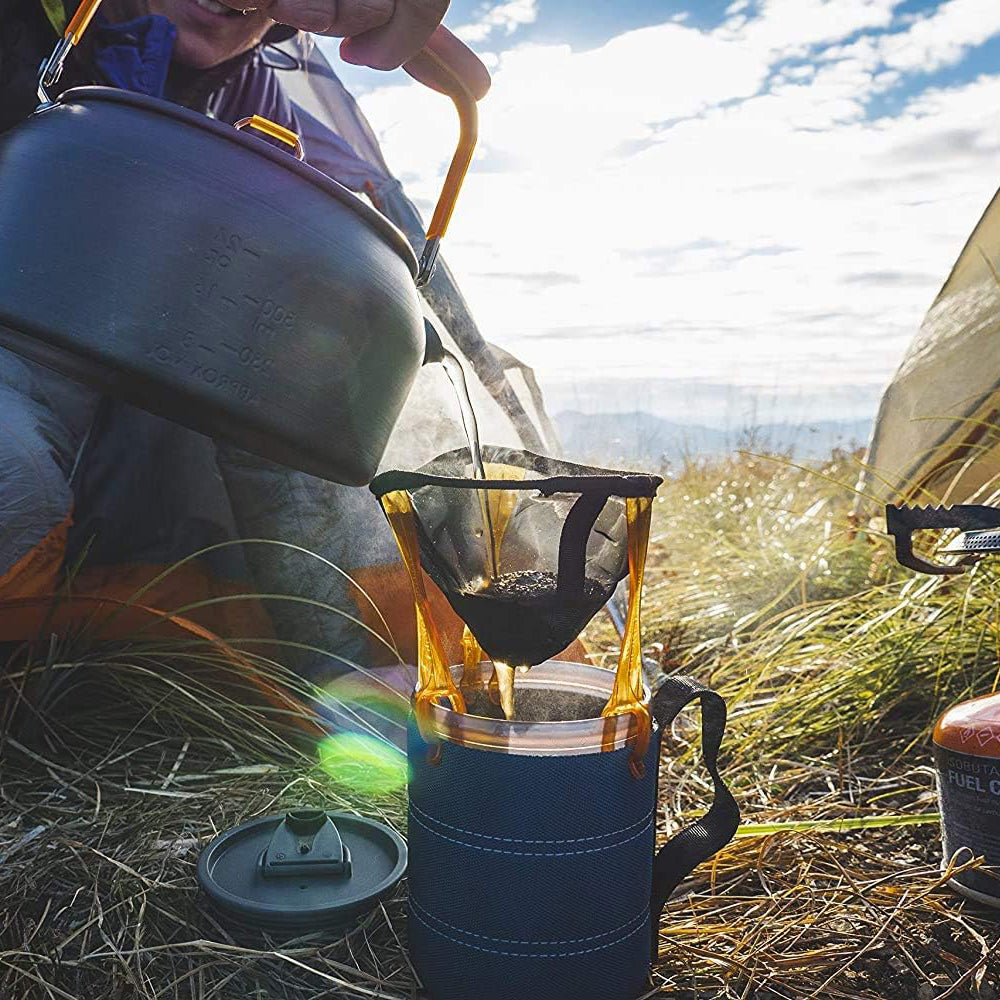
{"x":678,"y":857}
{"x":573,"y":541}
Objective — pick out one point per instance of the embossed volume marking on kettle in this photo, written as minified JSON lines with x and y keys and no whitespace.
{"x":262,"y":309}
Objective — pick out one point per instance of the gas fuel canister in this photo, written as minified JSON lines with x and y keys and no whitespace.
{"x":967,"y":758}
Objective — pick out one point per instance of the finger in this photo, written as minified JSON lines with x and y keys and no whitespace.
{"x":393,"y":43}
{"x":455,"y":54}
{"x":340,"y":18}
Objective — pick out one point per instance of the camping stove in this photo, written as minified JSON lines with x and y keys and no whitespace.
{"x":979,"y":527}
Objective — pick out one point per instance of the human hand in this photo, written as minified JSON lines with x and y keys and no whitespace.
{"x":384,"y":34}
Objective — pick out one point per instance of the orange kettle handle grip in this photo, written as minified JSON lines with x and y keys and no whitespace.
{"x":80,"y":19}
{"x":448,"y":66}
{"x":53,"y":66}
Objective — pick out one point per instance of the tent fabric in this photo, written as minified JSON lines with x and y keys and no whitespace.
{"x":102,"y":618}
{"x":936,"y":436}
{"x":120,"y":495}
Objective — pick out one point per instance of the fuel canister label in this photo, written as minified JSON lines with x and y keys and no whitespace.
{"x":969,"y":791}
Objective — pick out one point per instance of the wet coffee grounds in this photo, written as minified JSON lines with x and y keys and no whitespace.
{"x":524,"y":618}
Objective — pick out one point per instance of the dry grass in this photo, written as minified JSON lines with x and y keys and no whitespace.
{"x":119,"y":764}
{"x":108,"y":798}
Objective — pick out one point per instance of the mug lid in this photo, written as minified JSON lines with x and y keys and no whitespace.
{"x":302,"y":870}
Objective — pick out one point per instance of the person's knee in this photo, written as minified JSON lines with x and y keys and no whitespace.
{"x":35,"y":497}
{"x":60,"y":410}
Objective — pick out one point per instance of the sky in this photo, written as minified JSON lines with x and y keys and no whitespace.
{"x":714,"y":212}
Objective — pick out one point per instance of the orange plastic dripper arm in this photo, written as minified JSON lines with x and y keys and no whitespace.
{"x":434,"y":680}
{"x":627,"y":696}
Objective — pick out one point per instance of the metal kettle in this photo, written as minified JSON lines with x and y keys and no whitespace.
{"x":199,"y":272}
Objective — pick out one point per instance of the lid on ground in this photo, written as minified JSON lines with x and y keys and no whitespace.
{"x":302,"y":870}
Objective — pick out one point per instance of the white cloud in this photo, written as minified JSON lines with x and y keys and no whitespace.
{"x":710,"y":217}
{"x":924,"y":44}
{"x":502,"y":18}
{"x":788,"y":27}
{"x":553,"y":109}
{"x":942,"y":38}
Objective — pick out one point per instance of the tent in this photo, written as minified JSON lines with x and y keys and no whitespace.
{"x":937,"y":436}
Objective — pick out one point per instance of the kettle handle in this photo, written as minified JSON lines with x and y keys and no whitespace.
{"x":53,"y":66}
{"x":444,"y":64}
{"x":440,"y":68}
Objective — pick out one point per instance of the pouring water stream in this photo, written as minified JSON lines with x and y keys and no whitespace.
{"x":502,"y":684}
{"x":453,"y":369}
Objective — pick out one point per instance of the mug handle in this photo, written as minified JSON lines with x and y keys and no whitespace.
{"x":678,"y":857}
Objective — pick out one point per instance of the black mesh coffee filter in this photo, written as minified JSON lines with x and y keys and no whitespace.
{"x":560,"y":544}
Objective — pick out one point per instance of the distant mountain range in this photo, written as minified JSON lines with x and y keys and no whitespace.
{"x":640,"y":437}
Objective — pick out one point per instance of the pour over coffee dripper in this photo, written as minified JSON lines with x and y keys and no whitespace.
{"x":525,"y":557}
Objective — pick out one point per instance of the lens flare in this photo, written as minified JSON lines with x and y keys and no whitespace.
{"x":363,"y":763}
{"x":377,"y":704}
{"x":366,"y":715}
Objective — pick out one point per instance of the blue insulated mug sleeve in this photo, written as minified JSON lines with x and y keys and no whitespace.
{"x":530,"y":875}
{"x":696,"y":843}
